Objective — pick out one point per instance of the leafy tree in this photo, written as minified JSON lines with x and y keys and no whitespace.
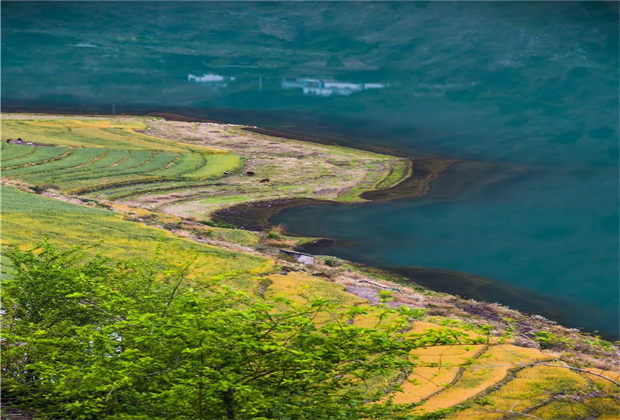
{"x":93,"y":338}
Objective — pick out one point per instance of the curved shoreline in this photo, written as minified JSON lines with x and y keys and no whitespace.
{"x":256,"y":215}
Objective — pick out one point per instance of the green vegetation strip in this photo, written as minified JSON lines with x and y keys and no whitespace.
{"x":13,"y":151}
{"x":77,"y":158}
{"x":40,"y":156}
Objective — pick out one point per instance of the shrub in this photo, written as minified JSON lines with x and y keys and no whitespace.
{"x":333,"y":261}
{"x":548,"y":340}
{"x":41,"y":188}
{"x":172,"y":225}
{"x":212,"y":223}
{"x":136,"y":339}
{"x":276,"y":232}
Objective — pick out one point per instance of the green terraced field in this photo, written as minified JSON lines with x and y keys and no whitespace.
{"x":39,"y":156}
{"x":75,"y":159}
{"x":12,"y":153}
{"x":96,"y":155}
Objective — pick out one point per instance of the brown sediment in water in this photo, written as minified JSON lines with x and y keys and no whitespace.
{"x":424,"y":171}
{"x":255,"y":216}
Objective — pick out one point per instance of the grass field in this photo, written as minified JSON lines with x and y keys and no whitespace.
{"x":290,"y":168}
{"x":117,"y":134}
{"x":28,"y":218}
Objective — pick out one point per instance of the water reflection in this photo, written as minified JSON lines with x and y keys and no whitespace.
{"x":308,"y":86}
{"x":327,"y":87}
{"x":211,"y":79}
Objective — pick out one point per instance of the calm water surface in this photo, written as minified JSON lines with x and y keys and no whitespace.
{"x":531,"y":87}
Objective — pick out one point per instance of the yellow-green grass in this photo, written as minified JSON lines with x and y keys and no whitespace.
{"x":92,"y":133}
{"x":423,"y":382}
{"x":602,"y":408}
{"x":239,"y":236}
{"x":604,"y":383}
{"x":9,"y":152}
{"x":215,"y":167}
{"x":75,"y":159}
{"x":40,"y":155}
{"x":399,"y":171}
{"x":144,"y":159}
{"x":208,"y":168}
{"x":28,"y":218}
{"x":439,"y":366}
{"x":109,"y":160}
{"x":303,"y":288}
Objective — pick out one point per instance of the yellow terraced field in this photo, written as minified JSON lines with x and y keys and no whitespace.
{"x":449,"y":375}
{"x":488,"y":369}
{"x":532,"y":387}
{"x":427,"y":380}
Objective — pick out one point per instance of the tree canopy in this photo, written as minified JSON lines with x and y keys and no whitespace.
{"x":88,"y":337}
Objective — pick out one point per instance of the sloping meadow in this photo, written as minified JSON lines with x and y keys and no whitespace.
{"x":27,"y":219}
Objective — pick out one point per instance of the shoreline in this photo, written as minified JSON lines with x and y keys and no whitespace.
{"x":256,"y":215}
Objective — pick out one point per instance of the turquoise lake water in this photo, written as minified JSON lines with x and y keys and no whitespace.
{"x":529,"y":88}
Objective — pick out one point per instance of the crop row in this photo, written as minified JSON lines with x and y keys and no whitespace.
{"x":93,"y":169}
{"x":11,"y":153}
{"x":39,"y":156}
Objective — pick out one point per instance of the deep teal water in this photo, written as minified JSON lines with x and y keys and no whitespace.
{"x":531,"y":87}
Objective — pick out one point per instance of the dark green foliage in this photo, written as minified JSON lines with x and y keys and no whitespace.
{"x":40,"y":188}
{"x":172,"y":225}
{"x":92,"y":338}
{"x":217,"y":224}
